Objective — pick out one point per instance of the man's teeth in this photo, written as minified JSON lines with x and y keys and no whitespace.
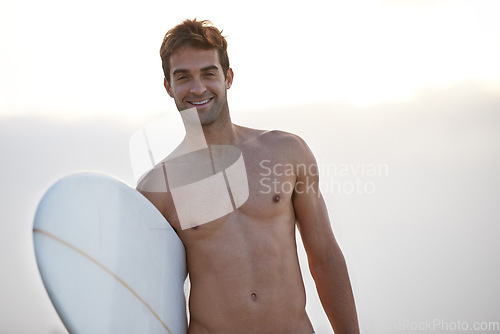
{"x":201,"y":102}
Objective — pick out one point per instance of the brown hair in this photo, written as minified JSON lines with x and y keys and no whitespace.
{"x":198,"y":34}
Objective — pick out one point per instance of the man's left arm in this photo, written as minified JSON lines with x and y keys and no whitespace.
{"x":326,"y":261}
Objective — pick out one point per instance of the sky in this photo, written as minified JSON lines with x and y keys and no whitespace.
{"x":408,"y":89}
{"x":102,"y":57}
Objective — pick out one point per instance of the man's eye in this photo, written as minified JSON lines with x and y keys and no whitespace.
{"x":210,"y":74}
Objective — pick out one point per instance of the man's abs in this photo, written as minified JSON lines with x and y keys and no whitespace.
{"x":247,"y":280}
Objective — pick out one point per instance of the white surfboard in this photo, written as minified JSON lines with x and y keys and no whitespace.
{"x":109,"y":260}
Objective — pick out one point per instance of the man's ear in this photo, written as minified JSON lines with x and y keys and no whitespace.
{"x":229,"y":78}
{"x":167,"y":87}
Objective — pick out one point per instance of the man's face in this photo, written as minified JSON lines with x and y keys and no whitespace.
{"x":197,"y":80}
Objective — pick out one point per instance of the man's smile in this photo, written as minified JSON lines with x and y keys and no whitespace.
{"x":200,"y":103}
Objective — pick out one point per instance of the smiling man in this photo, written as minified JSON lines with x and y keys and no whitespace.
{"x":243,"y":266}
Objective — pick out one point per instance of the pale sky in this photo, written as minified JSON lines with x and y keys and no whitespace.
{"x":101,"y":57}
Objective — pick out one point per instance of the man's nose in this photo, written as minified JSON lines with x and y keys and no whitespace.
{"x":198,"y":87}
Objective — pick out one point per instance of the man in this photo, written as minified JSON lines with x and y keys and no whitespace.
{"x":243,"y":266}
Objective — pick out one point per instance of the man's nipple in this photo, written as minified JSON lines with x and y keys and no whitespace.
{"x":276,"y":198}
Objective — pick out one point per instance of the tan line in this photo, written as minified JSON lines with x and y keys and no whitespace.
{"x":105,"y":269}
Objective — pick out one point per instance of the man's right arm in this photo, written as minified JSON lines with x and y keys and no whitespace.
{"x":153,"y":187}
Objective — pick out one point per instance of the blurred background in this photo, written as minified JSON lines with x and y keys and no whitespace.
{"x":399,"y":101}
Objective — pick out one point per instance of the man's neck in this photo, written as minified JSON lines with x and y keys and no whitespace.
{"x":222,"y":132}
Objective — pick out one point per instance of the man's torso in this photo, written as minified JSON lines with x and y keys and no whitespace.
{"x":243,"y":267}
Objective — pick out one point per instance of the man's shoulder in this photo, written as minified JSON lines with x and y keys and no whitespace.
{"x":283,"y":140}
{"x":153,"y":181}
{"x":284,"y":146}
{"x":270,"y":136}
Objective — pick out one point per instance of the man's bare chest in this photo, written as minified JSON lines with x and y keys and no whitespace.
{"x":271,"y":182}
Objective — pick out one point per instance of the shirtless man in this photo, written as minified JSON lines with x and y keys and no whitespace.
{"x":244,"y":270}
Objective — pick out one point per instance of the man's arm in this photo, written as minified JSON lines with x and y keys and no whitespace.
{"x":153,"y":187}
{"x":325,"y":258}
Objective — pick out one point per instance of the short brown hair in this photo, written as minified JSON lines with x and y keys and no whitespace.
{"x":198,"y":34}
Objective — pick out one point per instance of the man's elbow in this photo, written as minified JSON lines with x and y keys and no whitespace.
{"x":333,"y":259}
